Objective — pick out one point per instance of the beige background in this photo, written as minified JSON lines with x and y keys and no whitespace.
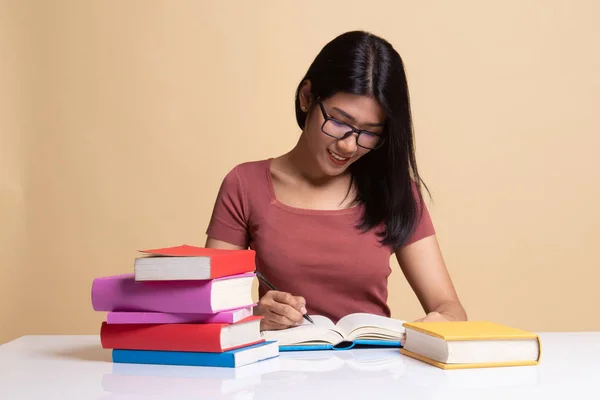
{"x":118,"y":120}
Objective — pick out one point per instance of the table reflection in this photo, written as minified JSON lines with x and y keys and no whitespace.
{"x":364,"y":373}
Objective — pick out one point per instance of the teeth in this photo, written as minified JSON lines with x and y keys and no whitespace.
{"x":337,"y":157}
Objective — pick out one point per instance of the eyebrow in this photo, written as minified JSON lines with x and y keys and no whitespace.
{"x":351,"y":118}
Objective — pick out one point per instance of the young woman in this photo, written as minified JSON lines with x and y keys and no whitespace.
{"x":325,"y":218}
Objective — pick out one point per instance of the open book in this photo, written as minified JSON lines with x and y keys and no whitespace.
{"x":359,"y":329}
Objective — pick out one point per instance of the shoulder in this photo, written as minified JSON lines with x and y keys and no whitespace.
{"x":249,"y":170}
{"x":246,"y":180}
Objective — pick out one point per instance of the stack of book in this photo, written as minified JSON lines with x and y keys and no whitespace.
{"x":183,"y":305}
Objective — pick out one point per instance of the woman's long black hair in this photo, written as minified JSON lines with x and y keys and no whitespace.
{"x":387,"y":179}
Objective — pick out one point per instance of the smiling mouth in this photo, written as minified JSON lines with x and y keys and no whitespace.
{"x":336,"y":157}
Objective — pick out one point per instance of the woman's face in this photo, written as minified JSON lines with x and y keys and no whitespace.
{"x":334,"y":155}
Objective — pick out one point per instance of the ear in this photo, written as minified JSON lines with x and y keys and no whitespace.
{"x":305,"y":96}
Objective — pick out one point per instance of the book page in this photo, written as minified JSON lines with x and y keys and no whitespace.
{"x":323,"y":331}
{"x":370,"y":326}
{"x":320,"y":321}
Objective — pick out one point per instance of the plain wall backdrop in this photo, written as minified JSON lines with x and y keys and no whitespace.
{"x":119,"y":119}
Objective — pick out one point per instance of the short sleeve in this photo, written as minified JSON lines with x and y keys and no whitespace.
{"x":229,"y":219}
{"x":424,"y":226}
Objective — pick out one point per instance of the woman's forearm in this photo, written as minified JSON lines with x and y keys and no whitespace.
{"x":452,"y":310}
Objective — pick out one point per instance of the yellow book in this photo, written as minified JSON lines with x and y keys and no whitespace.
{"x":470,"y":344}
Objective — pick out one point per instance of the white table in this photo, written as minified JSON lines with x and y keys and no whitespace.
{"x":76,"y":367}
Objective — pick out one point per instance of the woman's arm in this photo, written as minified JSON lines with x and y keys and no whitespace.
{"x":281,"y":310}
{"x":424,"y":268}
{"x":219,"y":244}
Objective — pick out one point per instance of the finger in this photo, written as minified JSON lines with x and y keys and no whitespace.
{"x":272,"y":294}
{"x":277,"y":312}
{"x":272,"y":326}
{"x":280,"y":320}
{"x":271,"y":297}
{"x":286,"y":298}
{"x":301,"y":304}
{"x":287,"y":311}
{"x":297,"y":302}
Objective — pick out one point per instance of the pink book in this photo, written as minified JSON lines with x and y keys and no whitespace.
{"x":141,"y":317}
{"x":123,"y":293}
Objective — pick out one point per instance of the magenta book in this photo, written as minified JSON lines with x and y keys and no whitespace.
{"x":123,"y":293}
{"x":141,"y":317}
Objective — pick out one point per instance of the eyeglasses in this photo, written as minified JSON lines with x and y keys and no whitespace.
{"x":341,"y":130}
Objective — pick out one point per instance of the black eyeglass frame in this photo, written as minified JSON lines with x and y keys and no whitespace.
{"x":352,"y":130}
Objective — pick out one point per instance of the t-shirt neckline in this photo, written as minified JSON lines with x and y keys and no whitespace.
{"x":307,"y":211}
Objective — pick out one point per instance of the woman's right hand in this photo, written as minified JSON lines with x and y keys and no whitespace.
{"x":281,"y":310}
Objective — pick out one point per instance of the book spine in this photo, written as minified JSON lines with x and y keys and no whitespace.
{"x":254,"y":353}
{"x":123,"y":293}
{"x":167,"y":337}
{"x":116,"y":317}
{"x":173,"y":358}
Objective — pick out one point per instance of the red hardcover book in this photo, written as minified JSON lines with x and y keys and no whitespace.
{"x":192,"y":263}
{"x":211,"y":338}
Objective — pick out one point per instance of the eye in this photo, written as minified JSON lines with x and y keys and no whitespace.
{"x":338,"y":123}
{"x":371,"y":134}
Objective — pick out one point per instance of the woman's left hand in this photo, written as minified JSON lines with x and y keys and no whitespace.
{"x":433,"y":316}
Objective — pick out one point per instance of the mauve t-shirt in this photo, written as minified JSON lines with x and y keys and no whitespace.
{"x":317,"y":254}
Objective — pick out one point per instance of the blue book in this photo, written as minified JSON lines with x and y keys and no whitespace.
{"x":229,"y":359}
{"x":358,"y":330}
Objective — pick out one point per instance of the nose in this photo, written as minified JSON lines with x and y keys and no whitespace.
{"x":348,"y":145}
